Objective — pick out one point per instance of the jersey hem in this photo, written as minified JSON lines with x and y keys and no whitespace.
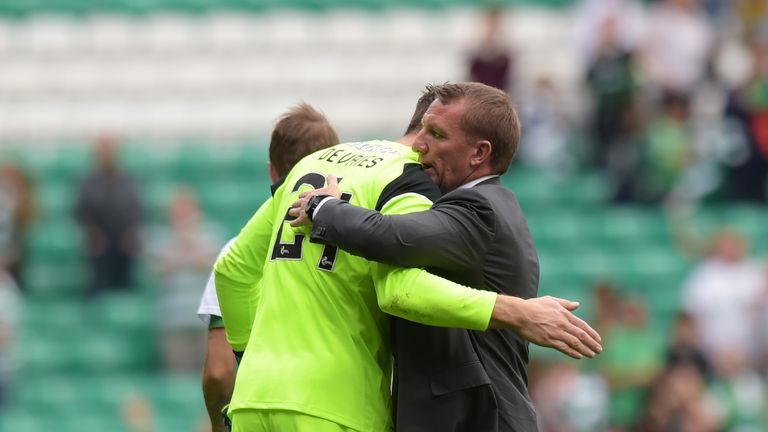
{"x":344,"y":421}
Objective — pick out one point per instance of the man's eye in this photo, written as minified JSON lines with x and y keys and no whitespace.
{"x":436,"y":134}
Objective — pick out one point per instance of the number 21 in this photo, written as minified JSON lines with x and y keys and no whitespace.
{"x":292,"y":250}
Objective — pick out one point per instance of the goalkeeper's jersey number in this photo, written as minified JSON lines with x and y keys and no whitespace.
{"x":293,"y":250}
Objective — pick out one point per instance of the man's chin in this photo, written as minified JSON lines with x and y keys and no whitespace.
{"x":431,"y":173}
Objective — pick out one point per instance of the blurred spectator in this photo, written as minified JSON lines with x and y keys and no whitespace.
{"x":740,"y":393}
{"x":679,"y":401}
{"x":182,"y":258}
{"x":568,"y":400}
{"x":677,"y":45}
{"x":611,"y":83}
{"x":751,"y":14}
{"x":631,"y":359}
{"x":110,"y":213}
{"x":9,"y":298}
{"x":544,"y":138}
{"x":762,"y":326}
{"x":685,"y":348}
{"x":491,"y":62}
{"x":591,"y":15}
{"x":607,"y":307}
{"x":669,"y":148}
{"x":748,"y":106}
{"x":722,"y":293}
{"x":17,"y":211}
{"x":137,"y":414}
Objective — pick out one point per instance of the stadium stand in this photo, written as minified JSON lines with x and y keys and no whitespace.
{"x":185,"y":81}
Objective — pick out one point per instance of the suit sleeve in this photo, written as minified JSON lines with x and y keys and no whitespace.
{"x":454,"y":233}
{"x":238,"y":272}
{"x":416,"y":295}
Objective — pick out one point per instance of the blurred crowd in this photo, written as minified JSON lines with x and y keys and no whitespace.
{"x":676,"y":112}
{"x":707,"y":374}
{"x":673,"y":104}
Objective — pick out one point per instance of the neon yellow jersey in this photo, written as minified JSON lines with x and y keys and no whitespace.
{"x":317,"y":340}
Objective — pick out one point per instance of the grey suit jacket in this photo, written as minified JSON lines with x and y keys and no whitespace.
{"x":452,"y":379}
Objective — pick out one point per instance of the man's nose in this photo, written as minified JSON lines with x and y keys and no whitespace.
{"x":419,"y":146}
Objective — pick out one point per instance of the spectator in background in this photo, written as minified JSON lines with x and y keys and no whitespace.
{"x":607,"y":306}
{"x":677,"y":46}
{"x":182,"y":259}
{"x":545,"y":137}
{"x":17,"y":212}
{"x":679,"y":400}
{"x":110,"y":213}
{"x":632,"y":358}
{"x":589,"y":18}
{"x":685,"y":348}
{"x":9,"y":298}
{"x":751,"y":14}
{"x":611,"y":83}
{"x":570,"y":400}
{"x":491,"y":62}
{"x":762,"y":326}
{"x":722,"y":293}
{"x":740,"y":393}
{"x":748,"y":106}
{"x":668,"y":148}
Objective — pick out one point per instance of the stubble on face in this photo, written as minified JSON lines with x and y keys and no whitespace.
{"x":443,"y":145}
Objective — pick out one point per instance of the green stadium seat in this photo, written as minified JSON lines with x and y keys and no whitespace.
{"x":27,"y":418}
{"x":47,"y":354}
{"x":60,"y":395}
{"x":145,"y":162}
{"x":178,"y":393}
{"x":124,"y":311}
{"x":252,"y":158}
{"x":55,"y":278}
{"x":55,"y":240}
{"x":631,"y":224}
{"x":56,"y":200}
{"x":109,"y":352}
{"x":65,"y":316}
{"x":72,"y":163}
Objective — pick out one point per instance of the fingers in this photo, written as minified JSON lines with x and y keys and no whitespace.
{"x":333,"y":182}
{"x":593,"y":334}
{"x":567,"y":350}
{"x":299,"y":211}
{"x":299,"y":221}
{"x":585,"y":345}
{"x":568,"y":304}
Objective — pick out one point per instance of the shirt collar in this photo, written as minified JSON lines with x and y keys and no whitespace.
{"x":476,"y":181}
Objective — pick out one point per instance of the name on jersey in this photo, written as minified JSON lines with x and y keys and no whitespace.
{"x":372,"y":147}
{"x":349,"y":158}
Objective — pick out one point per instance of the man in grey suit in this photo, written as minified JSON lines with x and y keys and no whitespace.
{"x":451,"y":379}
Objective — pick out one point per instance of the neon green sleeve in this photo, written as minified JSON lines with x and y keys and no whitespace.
{"x":416,"y":295}
{"x":238,"y":272}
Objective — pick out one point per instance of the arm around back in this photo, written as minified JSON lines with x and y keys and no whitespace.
{"x":451,"y":234}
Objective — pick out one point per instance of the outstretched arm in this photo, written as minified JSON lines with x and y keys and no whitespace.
{"x":548,"y":322}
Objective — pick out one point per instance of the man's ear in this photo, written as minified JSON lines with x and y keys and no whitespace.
{"x":481,"y":153}
{"x":272,"y":172}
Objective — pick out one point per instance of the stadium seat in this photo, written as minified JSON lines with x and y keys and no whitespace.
{"x":55,"y":278}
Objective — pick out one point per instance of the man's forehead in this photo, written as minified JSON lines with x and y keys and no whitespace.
{"x":441,"y":112}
